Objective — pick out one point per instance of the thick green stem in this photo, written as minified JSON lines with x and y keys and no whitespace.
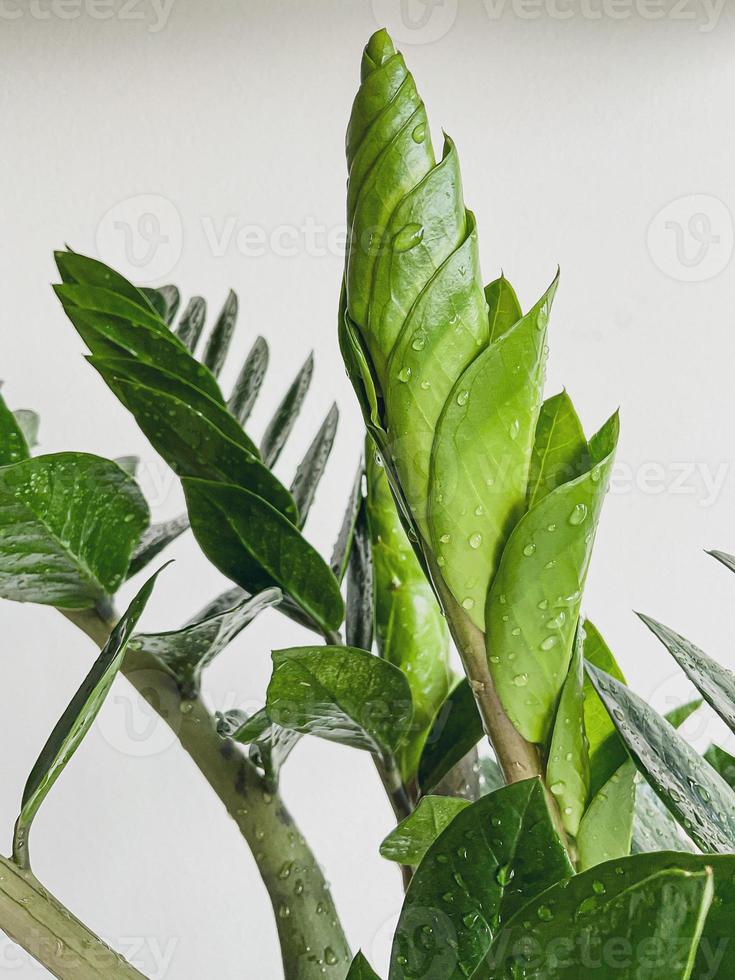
{"x":313,"y":944}
{"x":38,"y":922}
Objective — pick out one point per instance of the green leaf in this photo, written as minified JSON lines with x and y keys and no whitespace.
{"x":607,"y":752}
{"x":343,"y":545}
{"x":641,"y":919}
{"x":714,"y":682}
{"x":533,"y":603}
{"x":165,"y":301}
{"x":456,"y":728}
{"x":654,"y":829}
{"x":279,"y":427}
{"x":359,"y":611}
{"x":254,"y":545}
{"x":341,"y":694}
{"x":694,"y":793}
{"x":154,"y":539}
{"x":480,"y":457}
{"x":559,"y":449}
{"x":128,"y":463}
{"x":132,"y":331}
{"x":115,"y":369}
{"x":410,"y":628}
{"x":504,"y":310}
{"x":677,"y":716}
{"x":249,"y":381}
{"x":68,"y":525}
{"x":270,"y":744}
{"x":215,"y":351}
{"x":311,"y":468}
{"x":412,"y":838}
{"x":606,"y":829}
{"x":360,"y":969}
{"x":194,"y":447}
{"x":13,"y":445}
{"x":77,"y":719}
{"x":495,"y":856}
{"x":186,"y":652}
{"x":28,"y":423}
{"x":722,"y":762}
{"x":75,"y":268}
{"x":722,"y":556}
{"x":568,"y":769}
{"x":191,"y":324}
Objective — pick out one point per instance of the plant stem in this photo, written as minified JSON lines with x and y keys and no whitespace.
{"x":38,"y":922}
{"x":313,"y":944}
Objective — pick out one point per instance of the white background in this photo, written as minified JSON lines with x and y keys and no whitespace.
{"x":574,"y":134}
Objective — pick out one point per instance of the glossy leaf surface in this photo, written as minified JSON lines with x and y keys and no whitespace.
{"x":567,"y":769}
{"x":13,"y":445}
{"x":311,"y":468}
{"x":68,"y":525}
{"x":412,"y":838}
{"x":280,"y":426}
{"x":456,"y":728}
{"x":249,"y":381}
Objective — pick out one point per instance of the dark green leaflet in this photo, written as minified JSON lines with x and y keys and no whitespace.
{"x":455,"y":730}
{"x":311,"y":468}
{"x":257,"y":547}
{"x":284,"y":418}
{"x":249,"y":381}
{"x":359,"y":607}
{"x":191,"y":324}
{"x":68,"y":525}
{"x":411,"y":839}
{"x":75,"y":268}
{"x":77,"y":719}
{"x":495,"y":856}
{"x":360,"y":969}
{"x":342,"y":694}
{"x":13,"y":445}
{"x":218,"y":344}
{"x":154,"y":539}
{"x":186,"y":652}
{"x":343,"y":545}
{"x":165,"y":301}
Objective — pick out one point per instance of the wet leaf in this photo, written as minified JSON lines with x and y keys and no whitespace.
{"x":311,"y":468}
{"x":412,"y":838}
{"x":280,"y":426}
{"x":215,"y":351}
{"x":568,"y":767}
{"x":559,"y":449}
{"x":456,"y":728}
{"x":191,"y":324}
{"x":249,"y":381}
{"x":153,"y":541}
{"x":13,"y":445}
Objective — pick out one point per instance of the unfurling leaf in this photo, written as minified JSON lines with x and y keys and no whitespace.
{"x":533,"y":603}
{"x":342,"y":694}
{"x":410,"y":629}
{"x":68,"y":525}
{"x":76,"y":720}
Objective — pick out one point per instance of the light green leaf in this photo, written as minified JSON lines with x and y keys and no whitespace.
{"x":568,"y":768}
{"x":456,"y":728}
{"x":480,"y":457}
{"x":607,"y":752}
{"x":504,"y":310}
{"x":533,"y":603}
{"x":215,"y":350}
{"x":495,"y":856}
{"x":186,"y":652}
{"x":194,"y":447}
{"x":255,"y":546}
{"x":13,"y":445}
{"x":695,"y":794}
{"x":280,"y":426}
{"x":191,"y":324}
{"x":606,"y":829}
{"x":68,"y":525}
{"x":642,"y":917}
{"x":410,"y":628}
{"x":76,"y":720}
{"x":311,"y":468}
{"x":412,"y":838}
{"x":341,"y":694}
{"x":559,"y":449}
{"x":249,"y":381}
{"x":715,"y":683}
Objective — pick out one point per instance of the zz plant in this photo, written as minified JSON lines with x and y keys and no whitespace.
{"x":585,"y":836}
